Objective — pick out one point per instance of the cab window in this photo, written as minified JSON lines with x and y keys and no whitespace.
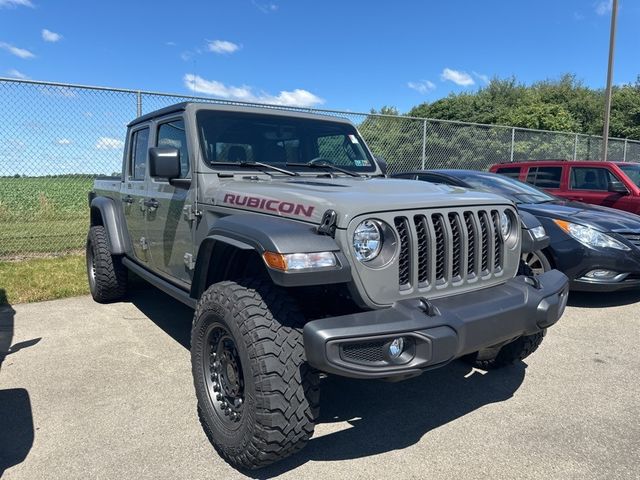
{"x":172,"y":134}
{"x":545,"y":177}
{"x":138,"y":154}
{"x":591,"y":178}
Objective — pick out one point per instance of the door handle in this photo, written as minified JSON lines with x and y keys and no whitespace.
{"x":128,"y":199}
{"x":152,"y":203}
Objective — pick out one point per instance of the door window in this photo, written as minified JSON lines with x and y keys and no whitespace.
{"x":545,"y":177}
{"x":511,"y":172}
{"x":591,"y":178}
{"x":139,"y":150}
{"x":172,"y":134}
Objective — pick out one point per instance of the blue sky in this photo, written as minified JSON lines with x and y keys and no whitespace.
{"x":350,"y":55}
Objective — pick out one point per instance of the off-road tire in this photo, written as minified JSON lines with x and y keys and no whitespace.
{"x":109,"y":282}
{"x":281,"y":391}
{"x":519,"y":349}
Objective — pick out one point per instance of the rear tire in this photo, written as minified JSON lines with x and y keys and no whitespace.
{"x":514,"y":351}
{"x":107,"y":276}
{"x":258,"y":399}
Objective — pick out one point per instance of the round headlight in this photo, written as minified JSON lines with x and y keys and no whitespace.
{"x":367,"y":240}
{"x":505,"y":224}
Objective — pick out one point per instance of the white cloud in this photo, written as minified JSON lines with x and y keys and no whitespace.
{"x":223,"y":46}
{"x":268,"y":7}
{"x":15,"y":3}
{"x":16,"y":74}
{"x":604,"y":7}
{"x":107,"y":143}
{"x":63,"y":141}
{"x":423,"y":86}
{"x":458,"y":77}
{"x":481,"y":76}
{"x":170,"y":44}
{"x":295,"y":98}
{"x":49,"y":36}
{"x":18,"y":52}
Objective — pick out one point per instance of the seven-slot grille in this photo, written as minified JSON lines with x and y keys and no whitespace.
{"x":449,"y":247}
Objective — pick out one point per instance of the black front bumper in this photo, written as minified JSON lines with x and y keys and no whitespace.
{"x":434,"y":332}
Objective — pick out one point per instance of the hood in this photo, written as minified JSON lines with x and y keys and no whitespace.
{"x":601,"y":218}
{"x":307,"y":198}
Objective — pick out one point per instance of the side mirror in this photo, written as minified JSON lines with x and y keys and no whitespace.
{"x":617,"y":187}
{"x":382,"y":163}
{"x":164,"y":162}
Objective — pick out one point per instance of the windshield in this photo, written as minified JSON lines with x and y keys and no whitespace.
{"x":513,"y":189}
{"x":632,"y":171}
{"x":240,"y":137}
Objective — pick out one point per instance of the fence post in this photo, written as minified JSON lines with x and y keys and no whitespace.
{"x":624,"y":153}
{"x":575,"y":148}
{"x":513,"y":141}
{"x":424,"y":142}
{"x":139,"y":103}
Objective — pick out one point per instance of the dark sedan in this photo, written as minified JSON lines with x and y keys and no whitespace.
{"x":598,"y":248}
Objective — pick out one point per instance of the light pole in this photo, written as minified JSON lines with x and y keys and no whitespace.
{"x":607,"y":98}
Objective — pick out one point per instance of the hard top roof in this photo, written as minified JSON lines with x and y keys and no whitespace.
{"x":198,"y":106}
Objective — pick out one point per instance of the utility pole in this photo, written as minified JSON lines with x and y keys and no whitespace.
{"x":607,"y":100}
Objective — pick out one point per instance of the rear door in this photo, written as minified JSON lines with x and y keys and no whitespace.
{"x":135,"y":192}
{"x":170,"y":222}
{"x":511,"y":172}
{"x":547,"y":177}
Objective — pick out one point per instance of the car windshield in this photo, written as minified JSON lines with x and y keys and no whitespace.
{"x":633,"y":172}
{"x":513,"y":189}
{"x":281,"y":141}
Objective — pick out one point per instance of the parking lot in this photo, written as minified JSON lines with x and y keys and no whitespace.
{"x":104,"y":391}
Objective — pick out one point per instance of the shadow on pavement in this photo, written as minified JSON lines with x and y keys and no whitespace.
{"x":382,"y":416}
{"x":603,"y":299}
{"x":16,"y":419}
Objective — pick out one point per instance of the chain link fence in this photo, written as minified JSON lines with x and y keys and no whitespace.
{"x":56,"y":138}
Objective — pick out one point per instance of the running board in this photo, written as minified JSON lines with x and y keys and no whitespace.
{"x":161,"y":284}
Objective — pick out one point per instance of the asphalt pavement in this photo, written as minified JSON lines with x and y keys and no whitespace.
{"x":104,"y":391}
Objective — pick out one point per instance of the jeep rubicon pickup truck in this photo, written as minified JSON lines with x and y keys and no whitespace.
{"x":301,"y":259}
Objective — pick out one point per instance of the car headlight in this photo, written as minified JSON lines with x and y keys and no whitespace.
{"x":505,"y":224}
{"x":367,"y":240}
{"x":590,"y":237}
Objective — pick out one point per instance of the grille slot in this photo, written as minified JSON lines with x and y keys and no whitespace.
{"x":422,"y":231}
{"x":497,"y":242}
{"x":404,"y":260}
{"x":451,"y":247}
{"x":471,"y":239}
{"x":366,"y":352}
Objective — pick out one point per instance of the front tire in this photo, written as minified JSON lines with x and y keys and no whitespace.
{"x":518,"y":349}
{"x":107,"y":276}
{"x":537,"y":262}
{"x":257,"y":397}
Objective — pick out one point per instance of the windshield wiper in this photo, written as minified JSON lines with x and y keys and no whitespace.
{"x":324,"y":163}
{"x":257,"y":165}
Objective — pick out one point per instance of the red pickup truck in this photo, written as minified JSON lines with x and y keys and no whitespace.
{"x":611,"y":184}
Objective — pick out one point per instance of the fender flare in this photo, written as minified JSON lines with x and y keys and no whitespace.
{"x":111,"y":221}
{"x":261,"y":233}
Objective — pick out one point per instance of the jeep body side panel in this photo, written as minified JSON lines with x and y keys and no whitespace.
{"x":111,"y":219}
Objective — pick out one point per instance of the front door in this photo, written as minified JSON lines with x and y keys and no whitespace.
{"x":170,"y":222}
{"x":135,"y":193}
{"x":591,"y":185}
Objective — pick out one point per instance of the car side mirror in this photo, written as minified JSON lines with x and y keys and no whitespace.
{"x":382,"y":163}
{"x":164,"y":162}
{"x":617,"y":187}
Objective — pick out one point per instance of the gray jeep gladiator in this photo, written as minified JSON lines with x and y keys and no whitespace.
{"x":301,"y":259}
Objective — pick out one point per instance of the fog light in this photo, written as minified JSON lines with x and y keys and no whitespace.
{"x":396,"y":347}
{"x":601,"y":274}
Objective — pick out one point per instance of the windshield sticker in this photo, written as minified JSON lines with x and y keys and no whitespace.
{"x":360,"y":163}
{"x":353,"y":139}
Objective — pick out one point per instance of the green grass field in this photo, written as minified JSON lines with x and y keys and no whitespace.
{"x":43,"y":215}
